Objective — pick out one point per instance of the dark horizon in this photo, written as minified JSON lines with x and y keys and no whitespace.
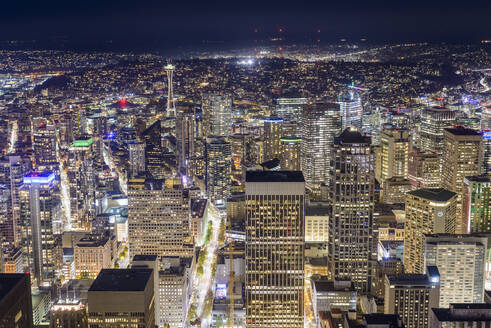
{"x":153,"y":25}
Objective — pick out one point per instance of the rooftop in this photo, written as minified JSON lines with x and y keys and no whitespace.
{"x":464,"y":312}
{"x":352,"y":137}
{"x":144,"y":257}
{"x":479,"y":178}
{"x":434,"y":194}
{"x":9,"y":281}
{"x":461,"y":131}
{"x":274,"y":176}
{"x":121,"y":280}
{"x":409,"y":279}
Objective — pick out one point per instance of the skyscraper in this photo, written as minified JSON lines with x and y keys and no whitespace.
{"x":15,"y":301}
{"x":12,"y":171}
{"x":461,"y":261}
{"x":290,"y":107}
{"x":290,"y":153}
{"x":412,"y":296}
{"x":433,"y":121}
{"x":273,"y":128}
{"x":424,"y":170}
{"x":185,"y":135}
{"x":171,"y":105}
{"x":216,"y":115}
{"x":81,"y":177}
{"x":136,"y":158}
{"x":44,"y":144}
{"x":154,"y":152}
{"x":351,"y":110}
{"x":395,"y":146}
{"x":274,"y":248}
{"x":321,"y":122}
{"x":40,"y":204}
{"x":486,"y":145}
{"x":351,"y":219}
{"x":218,"y":168}
{"x":427,"y":211}
{"x":158,"y":219}
{"x":477,"y":203}
{"x":462,"y":156}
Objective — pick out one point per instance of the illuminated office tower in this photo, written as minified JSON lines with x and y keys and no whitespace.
{"x":44,"y":144}
{"x":351,"y":219}
{"x":427,"y":211}
{"x":462,"y":156}
{"x":395,"y":146}
{"x":65,"y":130}
{"x":394,"y":190}
{"x":424,"y":170}
{"x":433,"y":121}
{"x":461,"y":261}
{"x":136,"y":158}
{"x":158,"y":219}
{"x":154,"y":151}
{"x":273,"y":131}
{"x":242,"y":149}
{"x":185,"y":135}
{"x":81,"y":177}
{"x":477,"y":203}
{"x":275,"y":249}
{"x":290,"y":108}
{"x":40,"y":206}
{"x":218,"y":169}
{"x":216,"y":115}
{"x":290,"y":153}
{"x":68,"y":313}
{"x":412,"y":296}
{"x":12,"y":171}
{"x":122,"y":298}
{"x":320,"y":124}
{"x":79,"y":122}
{"x":486,"y":118}
{"x":351,"y":110}
{"x":486,"y":145}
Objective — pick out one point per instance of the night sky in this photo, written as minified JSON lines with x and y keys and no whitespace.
{"x":146,"y":23}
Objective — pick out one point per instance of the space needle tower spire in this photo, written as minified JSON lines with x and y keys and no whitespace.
{"x":171,"y":106}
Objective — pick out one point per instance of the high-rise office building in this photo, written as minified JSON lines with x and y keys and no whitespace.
{"x":290,"y":153}
{"x":218,"y":168}
{"x":15,"y":300}
{"x":275,"y":248}
{"x":216,"y":115}
{"x":40,"y":206}
{"x":12,"y":171}
{"x":461,"y":261}
{"x":44,"y":144}
{"x":427,"y":211}
{"x":185,"y":135}
{"x":273,"y":131}
{"x":351,"y":110}
{"x":394,"y":190}
{"x":154,"y":151}
{"x":290,"y":108}
{"x":395,"y":146}
{"x":462,"y":156}
{"x":486,"y":118}
{"x":477,"y":203}
{"x":412,"y":296}
{"x":91,"y":254}
{"x":81,"y":177}
{"x":321,"y":122}
{"x":136,"y":158}
{"x":486,"y":145}
{"x":174,"y":283}
{"x":122,"y":297}
{"x":433,"y":121}
{"x":352,"y":201}
{"x":158,"y":219}
{"x":424,"y":170}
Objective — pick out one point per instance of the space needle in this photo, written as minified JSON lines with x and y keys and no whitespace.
{"x":171,"y":106}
